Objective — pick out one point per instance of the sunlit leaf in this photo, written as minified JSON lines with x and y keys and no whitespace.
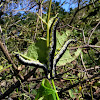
{"x":67,"y":58}
{"x":36,"y":51}
{"x":46,"y":91}
{"x":41,"y":19}
{"x":71,"y":93}
{"x":1,"y":67}
{"x":62,"y":38}
{"x":32,"y":51}
{"x":51,"y":20}
{"x":41,"y":98}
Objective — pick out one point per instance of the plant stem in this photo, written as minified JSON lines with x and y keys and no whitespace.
{"x":5,"y":68}
{"x":48,"y":23}
{"x":53,"y":84}
{"x":91,"y":92}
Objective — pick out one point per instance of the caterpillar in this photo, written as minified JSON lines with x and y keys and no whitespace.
{"x":32,"y":63}
{"x":53,"y":45}
{"x":61,"y":52}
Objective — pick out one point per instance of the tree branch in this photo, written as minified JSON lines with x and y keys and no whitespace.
{"x":16,"y":85}
{"x":84,"y":46}
{"x":6,"y":53}
{"x":93,"y":31}
{"x":80,"y":82}
{"x":79,"y":10}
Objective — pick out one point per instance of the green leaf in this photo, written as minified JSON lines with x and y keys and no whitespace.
{"x":62,"y":38}
{"x":42,"y":50}
{"x":97,"y":83}
{"x":1,"y":67}
{"x":67,"y":58}
{"x":51,"y":20}
{"x":1,"y":4}
{"x":36,"y":51}
{"x":46,"y":91}
{"x":41,"y":19}
{"x":34,"y":92}
{"x":32,"y":52}
{"x":71,"y":93}
{"x":41,"y":98}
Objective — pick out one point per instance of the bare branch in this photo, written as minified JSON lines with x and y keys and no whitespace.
{"x":80,"y":82}
{"x":80,"y":30}
{"x":93,"y":31}
{"x":6,"y":53}
{"x":84,"y":36}
{"x":0,"y":29}
{"x":85,"y":46}
{"x":84,"y":66}
{"x":81,"y":9}
{"x":16,"y":85}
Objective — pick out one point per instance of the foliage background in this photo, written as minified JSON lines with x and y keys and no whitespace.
{"x":20,"y":27}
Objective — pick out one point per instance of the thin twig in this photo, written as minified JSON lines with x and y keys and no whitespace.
{"x":0,"y":29}
{"x":29,"y":94}
{"x":84,"y":36}
{"x":41,"y":14}
{"x":70,"y":27}
{"x":94,"y":46}
{"x":16,"y":22}
{"x":7,"y":55}
{"x":84,"y":66}
{"x":80,"y":82}
{"x":75,"y":29}
{"x":96,"y":50}
{"x":16,"y":85}
{"x":85,"y":46}
{"x":91,"y":59}
{"x":93,"y":32}
{"x":36,"y":25}
{"x":79,"y":10}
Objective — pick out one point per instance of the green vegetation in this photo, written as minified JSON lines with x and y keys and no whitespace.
{"x":27,"y":33}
